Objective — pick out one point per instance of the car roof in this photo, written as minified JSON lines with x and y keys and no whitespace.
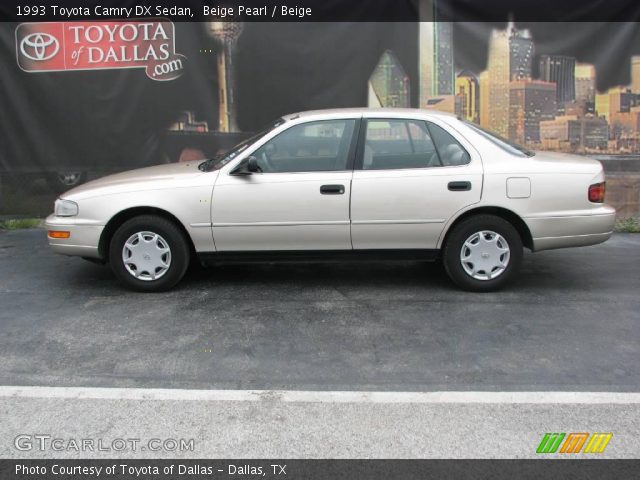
{"x":367,"y":112}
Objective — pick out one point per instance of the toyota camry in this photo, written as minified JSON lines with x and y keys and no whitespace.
{"x":341,"y":184}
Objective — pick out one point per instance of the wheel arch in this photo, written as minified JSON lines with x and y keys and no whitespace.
{"x":508,"y":215}
{"x":118,"y":219}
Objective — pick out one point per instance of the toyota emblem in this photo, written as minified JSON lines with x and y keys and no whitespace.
{"x":39,"y":46}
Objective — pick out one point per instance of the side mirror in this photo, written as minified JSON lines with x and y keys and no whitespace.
{"x":246,"y":167}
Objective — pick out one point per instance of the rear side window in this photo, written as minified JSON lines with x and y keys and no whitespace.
{"x":398,"y":144}
{"x":450,"y":152}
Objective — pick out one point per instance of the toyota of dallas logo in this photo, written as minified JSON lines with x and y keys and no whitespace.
{"x":67,"y":46}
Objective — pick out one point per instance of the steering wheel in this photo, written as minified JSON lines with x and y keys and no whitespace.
{"x":267,"y":166}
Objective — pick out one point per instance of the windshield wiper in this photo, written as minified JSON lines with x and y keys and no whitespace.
{"x":204,"y":165}
{"x":208,"y":163}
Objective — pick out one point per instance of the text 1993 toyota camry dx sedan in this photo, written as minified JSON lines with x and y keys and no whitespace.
{"x":359,"y":183}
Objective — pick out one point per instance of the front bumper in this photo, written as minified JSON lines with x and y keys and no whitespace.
{"x":83,"y":240}
{"x":578,"y":230}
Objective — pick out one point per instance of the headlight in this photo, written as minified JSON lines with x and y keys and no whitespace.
{"x":65,"y":208}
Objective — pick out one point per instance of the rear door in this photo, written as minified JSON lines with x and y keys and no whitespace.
{"x":411,"y":176}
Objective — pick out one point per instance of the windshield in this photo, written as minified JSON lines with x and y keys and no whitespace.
{"x":221,"y":160}
{"x":503,"y":143}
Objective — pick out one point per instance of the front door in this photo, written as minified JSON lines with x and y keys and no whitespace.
{"x":411,"y":177}
{"x":299,"y":200}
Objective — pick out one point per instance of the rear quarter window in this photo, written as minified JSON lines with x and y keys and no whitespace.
{"x":450,"y":151}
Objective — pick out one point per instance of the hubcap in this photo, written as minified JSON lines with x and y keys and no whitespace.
{"x":485,"y":255}
{"x":146,"y":256}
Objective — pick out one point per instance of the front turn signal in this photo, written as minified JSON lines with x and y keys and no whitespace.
{"x":59,"y":234}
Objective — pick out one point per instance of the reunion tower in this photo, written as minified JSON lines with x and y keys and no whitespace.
{"x":226,"y":33}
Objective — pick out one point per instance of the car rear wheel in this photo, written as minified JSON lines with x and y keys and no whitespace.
{"x":149,"y":254}
{"x":482,"y":253}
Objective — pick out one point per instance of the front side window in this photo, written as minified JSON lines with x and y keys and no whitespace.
{"x":221,"y":160}
{"x":320,"y":146}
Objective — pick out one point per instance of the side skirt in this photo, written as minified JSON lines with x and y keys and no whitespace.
{"x":318,"y":256}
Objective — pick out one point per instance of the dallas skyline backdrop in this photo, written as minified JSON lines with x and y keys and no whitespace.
{"x":336,"y":60}
{"x":352,"y":51}
{"x":608,"y":46}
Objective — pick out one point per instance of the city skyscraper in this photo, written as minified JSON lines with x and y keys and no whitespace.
{"x":613,"y":101}
{"x":530,"y":102}
{"x":602,"y":105}
{"x":510,"y":58}
{"x":483,"y":81}
{"x":571,"y":133}
{"x":187,"y":122}
{"x":521,"y":52}
{"x":468,"y":96}
{"x":635,"y":74}
{"x":435,"y":51}
{"x":559,"y":69}
{"x":621,"y":109}
{"x":585,"y":82}
{"x":388,"y":83}
{"x":226,"y":33}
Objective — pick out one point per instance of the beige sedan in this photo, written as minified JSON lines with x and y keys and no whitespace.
{"x":351,"y":183}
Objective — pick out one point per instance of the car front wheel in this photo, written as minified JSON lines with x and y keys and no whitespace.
{"x":149,"y":254}
{"x":482,"y":253}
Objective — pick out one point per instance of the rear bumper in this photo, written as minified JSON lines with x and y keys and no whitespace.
{"x":572,"y":230}
{"x":83,"y":240}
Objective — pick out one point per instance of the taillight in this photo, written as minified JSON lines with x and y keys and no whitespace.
{"x":596,"y":192}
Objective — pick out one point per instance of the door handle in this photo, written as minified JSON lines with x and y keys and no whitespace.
{"x":459,"y":186}
{"x":332,"y":189}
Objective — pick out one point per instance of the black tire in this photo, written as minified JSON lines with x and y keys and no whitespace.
{"x":451,"y":255}
{"x":169,"y":234}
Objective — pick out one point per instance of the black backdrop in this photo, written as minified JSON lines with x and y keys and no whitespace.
{"x":115,"y":119}
{"x":118,"y":117}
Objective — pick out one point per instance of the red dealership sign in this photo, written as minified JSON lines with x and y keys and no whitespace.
{"x":64,"y":46}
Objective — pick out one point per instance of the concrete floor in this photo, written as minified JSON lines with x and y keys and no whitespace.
{"x":240,"y":424}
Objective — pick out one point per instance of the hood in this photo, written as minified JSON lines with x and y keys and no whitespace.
{"x":157,"y":177}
